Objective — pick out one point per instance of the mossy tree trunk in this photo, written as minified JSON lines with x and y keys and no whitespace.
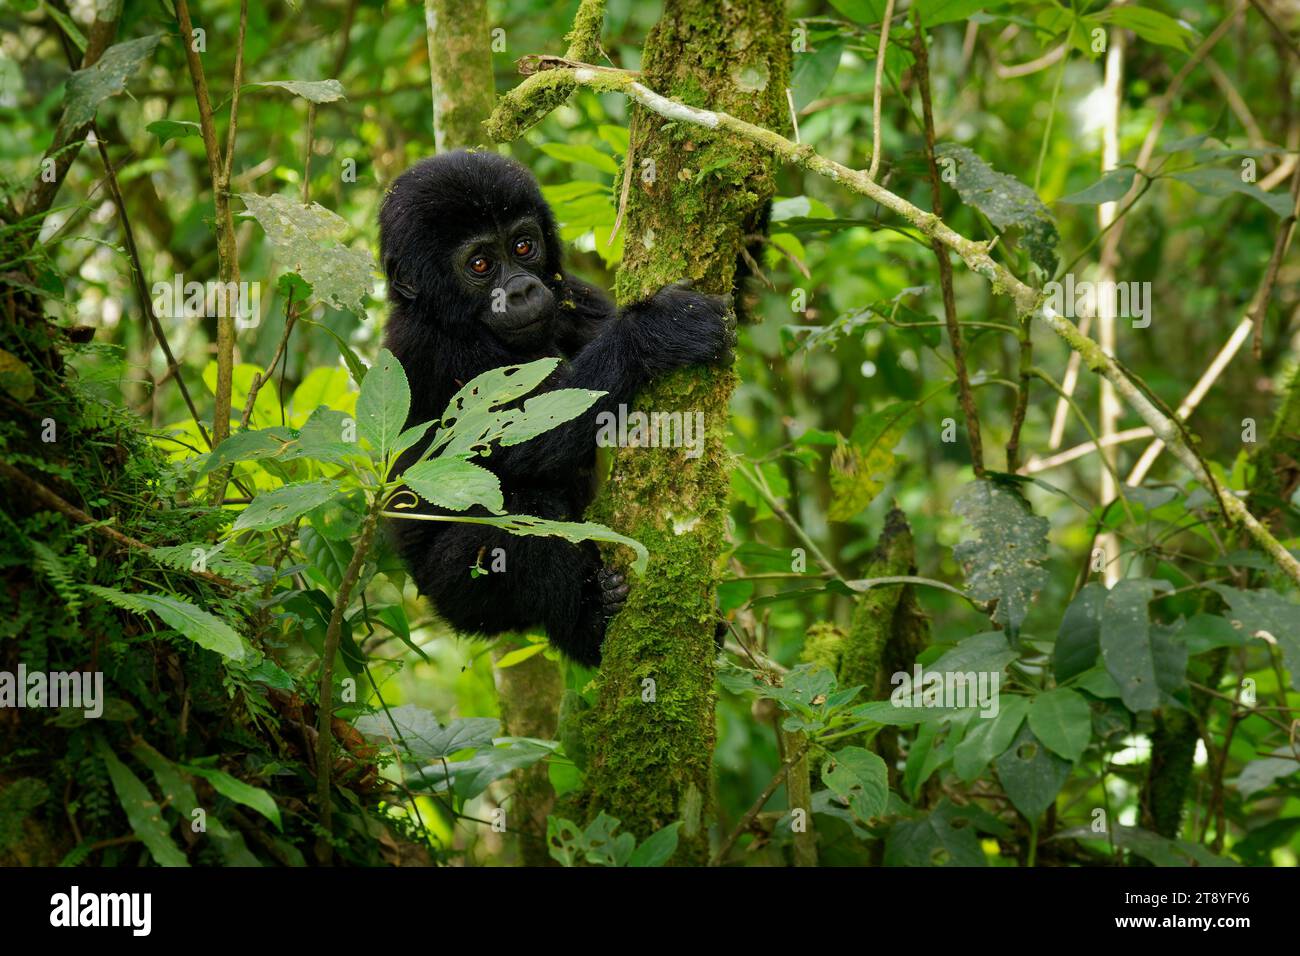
{"x":694,"y":196}
{"x":460,"y":62}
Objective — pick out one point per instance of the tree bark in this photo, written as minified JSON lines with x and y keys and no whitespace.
{"x":652,"y":731}
{"x":460,"y":63}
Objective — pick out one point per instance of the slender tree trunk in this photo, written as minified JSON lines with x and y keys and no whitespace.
{"x":460,"y":63}
{"x":694,"y":197}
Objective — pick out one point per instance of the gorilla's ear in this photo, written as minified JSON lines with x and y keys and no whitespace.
{"x":395,"y":280}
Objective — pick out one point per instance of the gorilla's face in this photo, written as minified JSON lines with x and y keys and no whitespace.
{"x":469,"y":243}
{"x":502,"y":268}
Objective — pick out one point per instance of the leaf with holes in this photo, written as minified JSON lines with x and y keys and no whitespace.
{"x":1007,"y":202}
{"x":1031,"y":774}
{"x":1002,"y":562}
{"x":1267,"y":614}
{"x":88,"y":88}
{"x":306,"y":240}
{"x":858,"y":777}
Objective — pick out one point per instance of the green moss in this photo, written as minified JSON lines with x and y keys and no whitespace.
{"x":650,"y":760}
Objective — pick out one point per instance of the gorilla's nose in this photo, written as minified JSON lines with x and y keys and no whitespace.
{"x":526,"y":298}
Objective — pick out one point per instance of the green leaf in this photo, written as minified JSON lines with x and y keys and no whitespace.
{"x":88,"y":88}
{"x":1126,"y":643}
{"x":884,"y":712}
{"x":1078,"y":640}
{"x":988,"y":737}
{"x":861,"y":466}
{"x":1007,"y":202}
{"x":316,"y":91}
{"x":166,"y":129}
{"x":936,"y":12}
{"x":142,"y":811}
{"x":987,"y":653}
{"x":384,"y":403}
{"x":858,"y":776}
{"x":582,"y":154}
{"x":255,"y":798}
{"x":204,"y":629}
{"x":17,"y":800}
{"x":1267,"y":614}
{"x":325,"y":437}
{"x":574,"y":531}
{"x":247,"y":446}
{"x":455,"y":484}
{"x":544,"y":412}
{"x":1062,"y":720}
{"x":271,"y":509}
{"x":814,"y":69}
{"x":519,"y":655}
{"x":355,"y":366}
{"x":1225,"y":182}
{"x":1002,"y":561}
{"x":944,"y":837}
{"x":471,"y":777}
{"x":1031,"y":774}
{"x":1151,"y":25}
{"x":1112,"y":187}
{"x":306,"y":240}
{"x":424,"y":738}
{"x":658,"y":847}
{"x":329,"y":558}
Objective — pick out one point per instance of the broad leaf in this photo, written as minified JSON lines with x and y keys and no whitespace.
{"x":306,"y":240}
{"x":88,"y":88}
{"x":1031,"y":774}
{"x":271,"y":509}
{"x":455,"y":484}
{"x":204,"y":629}
{"x":1007,"y":202}
{"x":1002,"y":561}
{"x":383,"y":404}
{"x":1062,"y":720}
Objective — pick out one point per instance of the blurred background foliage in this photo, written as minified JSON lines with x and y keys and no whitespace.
{"x":809,"y":377}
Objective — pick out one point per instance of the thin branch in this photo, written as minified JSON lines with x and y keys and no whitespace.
{"x":974,"y":254}
{"x":967,"y":399}
{"x":747,"y":820}
{"x":38,"y":492}
{"x":878,"y":91}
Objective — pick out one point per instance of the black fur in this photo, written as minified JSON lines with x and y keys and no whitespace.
{"x":443,"y":330}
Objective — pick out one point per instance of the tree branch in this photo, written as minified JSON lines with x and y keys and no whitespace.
{"x":1028,"y":301}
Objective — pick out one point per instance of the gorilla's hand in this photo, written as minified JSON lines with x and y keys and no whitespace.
{"x":678,"y":326}
{"x":604,"y":594}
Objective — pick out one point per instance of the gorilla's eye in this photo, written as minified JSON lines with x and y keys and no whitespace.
{"x":479,"y":265}
{"x":523,"y":246}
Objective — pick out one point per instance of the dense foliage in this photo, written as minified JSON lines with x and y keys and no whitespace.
{"x":900,"y":513}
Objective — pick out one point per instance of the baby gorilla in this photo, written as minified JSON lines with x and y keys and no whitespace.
{"x":475,"y":282}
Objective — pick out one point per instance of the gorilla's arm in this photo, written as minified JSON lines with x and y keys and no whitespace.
{"x":675,"y":327}
{"x":546,"y":582}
